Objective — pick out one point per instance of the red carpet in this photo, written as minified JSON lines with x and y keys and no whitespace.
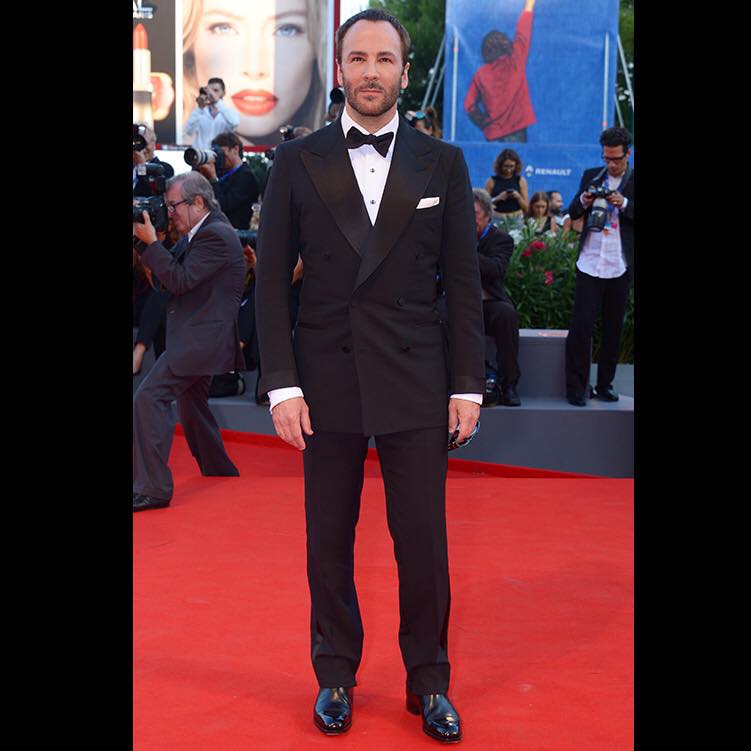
{"x":541,"y":633}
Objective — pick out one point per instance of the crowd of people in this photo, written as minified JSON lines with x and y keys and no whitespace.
{"x":501,"y":204}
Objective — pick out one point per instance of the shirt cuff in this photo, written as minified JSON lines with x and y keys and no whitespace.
{"x":476,"y":398}
{"x":624,"y":204}
{"x":281,"y":395}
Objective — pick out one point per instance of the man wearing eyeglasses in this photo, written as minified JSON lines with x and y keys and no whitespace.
{"x":205,"y":274}
{"x":604,"y":267}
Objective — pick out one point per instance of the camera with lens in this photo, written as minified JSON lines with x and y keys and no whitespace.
{"x":288,"y":134}
{"x":196,"y":157}
{"x":156,"y":208}
{"x":247,"y":237}
{"x":154,"y":204}
{"x":139,"y":137}
{"x":598,"y":214}
{"x":599,"y":191}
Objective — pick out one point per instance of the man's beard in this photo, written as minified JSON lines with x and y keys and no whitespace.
{"x":371,"y":109}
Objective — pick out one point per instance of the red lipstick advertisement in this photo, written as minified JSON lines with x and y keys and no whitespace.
{"x":142,"y":87}
{"x":154,"y":76}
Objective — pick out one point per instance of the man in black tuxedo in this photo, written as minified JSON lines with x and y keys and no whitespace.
{"x":373,"y":206}
{"x":495,"y":248}
{"x":205,"y":273}
{"x":604,"y":268}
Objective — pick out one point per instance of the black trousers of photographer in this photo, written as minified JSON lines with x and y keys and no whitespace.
{"x":154,"y":428}
{"x":502,"y":323}
{"x":593,"y":296}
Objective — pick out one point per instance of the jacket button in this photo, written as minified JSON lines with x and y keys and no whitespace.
{"x":346,"y":349}
{"x":327,"y":255}
{"x":400,"y":302}
{"x":406,"y":348}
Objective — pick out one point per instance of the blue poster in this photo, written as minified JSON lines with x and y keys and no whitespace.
{"x":536,"y":76}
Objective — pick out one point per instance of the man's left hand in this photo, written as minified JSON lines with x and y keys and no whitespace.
{"x":465,"y":414}
{"x":616,"y":199}
{"x":208,"y":170}
{"x":145,"y":232}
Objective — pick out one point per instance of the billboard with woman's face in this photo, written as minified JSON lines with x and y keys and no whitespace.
{"x":271,"y":54}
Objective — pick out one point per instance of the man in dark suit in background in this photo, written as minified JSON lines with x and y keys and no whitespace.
{"x":373,"y":206}
{"x":495,"y":248}
{"x":204,"y":273}
{"x":604,"y":268}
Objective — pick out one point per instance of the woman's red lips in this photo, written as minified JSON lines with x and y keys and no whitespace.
{"x":254,"y":103}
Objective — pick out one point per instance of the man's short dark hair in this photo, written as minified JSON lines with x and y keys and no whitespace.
{"x":616,"y":137}
{"x":495,"y":44}
{"x":373,"y":14}
{"x":219,"y":81}
{"x":228,"y":139}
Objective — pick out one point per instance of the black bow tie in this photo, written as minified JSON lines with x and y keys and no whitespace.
{"x":356,"y":138}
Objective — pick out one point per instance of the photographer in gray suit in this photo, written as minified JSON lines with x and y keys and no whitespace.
{"x":204,"y":273}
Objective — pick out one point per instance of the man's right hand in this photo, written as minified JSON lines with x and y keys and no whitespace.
{"x":586,"y":199}
{"x":202,"y":101}
{"x":291,"y":419}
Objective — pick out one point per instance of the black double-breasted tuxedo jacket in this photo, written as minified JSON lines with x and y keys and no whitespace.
{"x":370,"y":350}
{"x":206,"y":279}
{"x":625,"y":220}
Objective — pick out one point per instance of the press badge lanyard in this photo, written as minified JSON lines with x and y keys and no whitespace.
{"x":231,"y":172}
{"x":613,"y":210}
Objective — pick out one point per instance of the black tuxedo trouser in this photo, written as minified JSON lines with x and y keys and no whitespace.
{"x":591,"y":296}
{"x":154,"y":428}
{"x":502,"y":323}
{"x":413,"y":465}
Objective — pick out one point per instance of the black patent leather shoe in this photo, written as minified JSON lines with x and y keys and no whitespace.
{"x":605,"y":395}
{"x":440,"y":720}
{"x":332,"y":712}
{"x":510,"y":398}
{"x":146,"y":502}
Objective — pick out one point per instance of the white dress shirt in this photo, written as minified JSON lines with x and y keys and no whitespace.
{"x":371,"y":172}
{"x":196,"y":227}
{"x":206,"y":127}
{"x":602,"y":252}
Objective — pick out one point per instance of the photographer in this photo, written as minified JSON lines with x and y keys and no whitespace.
{"x":144,"y":142}
{"x":604,"y":267}
{"x":204,"y":275}
{"x":495,"y":248}
{"x":211,"y":116}
{"x":235,"y":186}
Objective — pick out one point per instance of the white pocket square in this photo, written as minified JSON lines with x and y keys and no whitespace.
{"x":427,"y":202}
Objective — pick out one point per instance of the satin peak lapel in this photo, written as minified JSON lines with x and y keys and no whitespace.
{"x":328,"y":164}
{"x":412,"y":165}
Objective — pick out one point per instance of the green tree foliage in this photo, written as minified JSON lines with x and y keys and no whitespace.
{"x":626,"y":32}
{"x":425,"y":21}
